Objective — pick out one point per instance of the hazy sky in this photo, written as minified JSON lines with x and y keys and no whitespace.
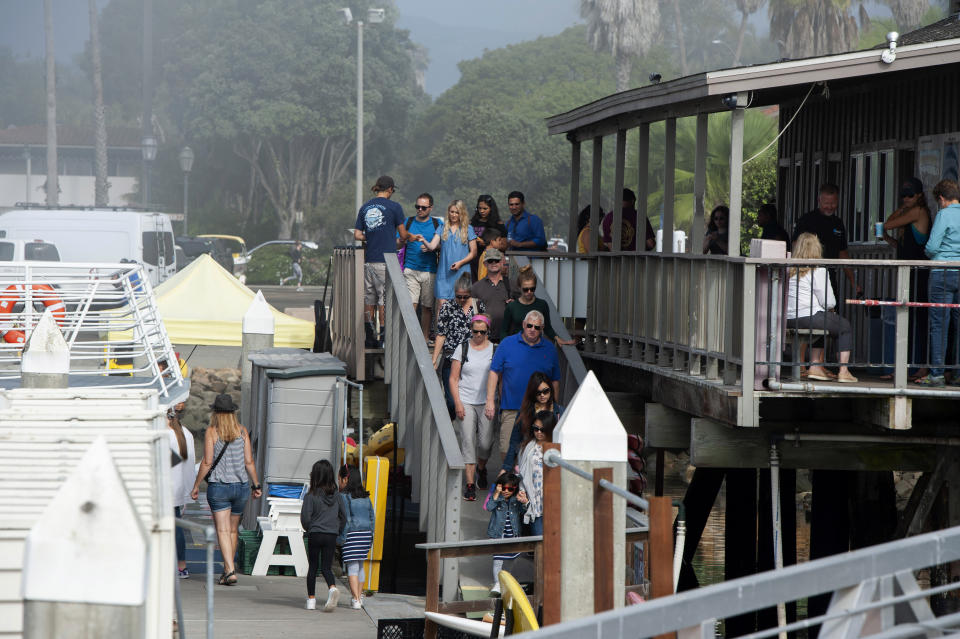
{"x":452,"y":30}
{"x":455,"y":30}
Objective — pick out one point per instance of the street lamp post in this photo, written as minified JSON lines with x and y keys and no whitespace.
{"x":374,"y":16}
{"x":186,"y":163}
{"x":148,"y":147}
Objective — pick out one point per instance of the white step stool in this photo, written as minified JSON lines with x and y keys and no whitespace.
{"x":271,"y":534}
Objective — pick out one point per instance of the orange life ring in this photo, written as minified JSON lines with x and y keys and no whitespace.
{"x":14,"y":337}
{"x":15,"y":293}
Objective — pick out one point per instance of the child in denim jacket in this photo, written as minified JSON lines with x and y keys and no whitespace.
{"x":506,"y":507}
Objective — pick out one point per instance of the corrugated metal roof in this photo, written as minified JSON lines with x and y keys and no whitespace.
{"x":945,"y":29}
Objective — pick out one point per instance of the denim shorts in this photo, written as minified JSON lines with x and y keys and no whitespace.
{"x":221,"y":496}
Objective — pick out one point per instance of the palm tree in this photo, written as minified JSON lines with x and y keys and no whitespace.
{"x":746,"y":7}
{"x":805,"y":28}
{"x":908,"y":13}
{"x":100,"y":196}
{"x":53,"y":186}
{"x":759,"y":129}
{"x":626,"y":28}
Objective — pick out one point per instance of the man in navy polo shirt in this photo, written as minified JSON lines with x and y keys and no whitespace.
{"x":517,"y":358}
{"x":524,"y":230}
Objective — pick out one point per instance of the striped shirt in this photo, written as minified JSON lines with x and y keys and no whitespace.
{"x":507,"y":534}
{"x":230,"y":469}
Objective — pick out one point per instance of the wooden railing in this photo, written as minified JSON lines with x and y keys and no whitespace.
{"x":433,"y":458}
{"x":347,"y":315}
{"x":438,"y":552}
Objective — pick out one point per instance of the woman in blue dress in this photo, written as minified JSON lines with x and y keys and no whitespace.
{"x":458,"y":245}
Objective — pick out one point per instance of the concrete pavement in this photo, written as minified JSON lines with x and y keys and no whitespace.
{"x":271,"y":607}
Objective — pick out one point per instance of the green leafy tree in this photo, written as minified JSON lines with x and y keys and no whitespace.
{"x":486,"y":134}
{"x":759,"y":130}
{"x":278,"y":88}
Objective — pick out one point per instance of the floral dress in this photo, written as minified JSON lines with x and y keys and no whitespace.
{"x":455,"y":325}
{"x":531,"y":472}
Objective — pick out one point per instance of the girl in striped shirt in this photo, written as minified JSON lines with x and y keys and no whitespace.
{"x":357,"y":535}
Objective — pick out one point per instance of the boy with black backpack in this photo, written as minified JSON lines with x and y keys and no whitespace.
{"x":420,"y":259}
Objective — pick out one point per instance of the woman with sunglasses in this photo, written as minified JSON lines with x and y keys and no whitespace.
{"x":458,"y":247}
{"x":531,"y":467}
{"x":486,"y":218}
{"x":469,"y":367}
{"x":528,"y":301}
{"x":537,"y":398}
{"x":453,"y":328}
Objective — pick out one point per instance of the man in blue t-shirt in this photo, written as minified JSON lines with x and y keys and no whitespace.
{"x":517,"y":358}
{"x":420,"y":260}
{"x":378,"y":222}
{"x":524,"y":230}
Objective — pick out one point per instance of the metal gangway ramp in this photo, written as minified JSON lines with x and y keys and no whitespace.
{"x":875,"y":595}
{"x":105,"y":312}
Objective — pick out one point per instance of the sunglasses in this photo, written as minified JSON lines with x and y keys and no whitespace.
{"x":491,"y":261}
{"x":537,"y":429}
{"x":543,"y":391}
{"x":421,"y":208}
{"x":479,"y":332}
{"x":529,"y":290}
{"x":536,"y":327}
{"x":463,"y":297}
{"x":509,"y":489}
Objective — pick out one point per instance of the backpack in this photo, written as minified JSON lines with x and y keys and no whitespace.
{"x":402,"y":253}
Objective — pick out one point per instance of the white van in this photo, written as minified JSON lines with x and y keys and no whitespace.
{"x":35,"y":250}
{"x":99,"y":235}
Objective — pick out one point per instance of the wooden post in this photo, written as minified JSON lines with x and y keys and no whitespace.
{"x":617,"y":202}
{"x":552,"y":534}
{"x":596,"y":176}
{"x":574,"y":194}
{"x":602,"y":542}
{"x":661,"y":547}
{"x":669,"y":186}
{"x":434,"y":564}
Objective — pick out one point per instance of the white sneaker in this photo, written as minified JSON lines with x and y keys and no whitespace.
{"x":332,"y":598}
{"x":299,"y":289}
{"x":495,"y":589}
{"x":356,"y":605}
{"x":311,"y":603}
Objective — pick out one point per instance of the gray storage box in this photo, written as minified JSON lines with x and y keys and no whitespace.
{"x":294,"y":415}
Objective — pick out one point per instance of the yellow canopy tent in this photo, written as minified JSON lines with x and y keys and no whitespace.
{"x":204,"y":304}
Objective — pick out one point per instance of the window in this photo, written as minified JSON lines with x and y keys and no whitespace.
{"x":157,"y":245}
{"x":6,"y":251}
{"x":40,"y":252}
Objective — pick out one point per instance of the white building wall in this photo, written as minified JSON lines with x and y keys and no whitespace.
{"x":74,"y":190}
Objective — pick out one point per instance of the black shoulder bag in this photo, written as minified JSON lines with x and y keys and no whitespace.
{"x":216,"y":461}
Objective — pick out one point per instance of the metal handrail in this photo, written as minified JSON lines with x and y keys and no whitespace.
{"x":423,"y":427}
{"x":755,"y":592}
{"x":553,"y":459}
{"x":210,"y":538}
{"x":89,"y":300}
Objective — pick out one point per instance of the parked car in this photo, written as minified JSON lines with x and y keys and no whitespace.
{"x":306,"y":243}
{"x":238,"y":249}
{"x":194,"y":247}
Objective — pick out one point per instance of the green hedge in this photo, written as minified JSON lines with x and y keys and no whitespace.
{"x":271,"y":263}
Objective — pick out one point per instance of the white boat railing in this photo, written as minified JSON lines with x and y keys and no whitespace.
{"x":106,"y":312}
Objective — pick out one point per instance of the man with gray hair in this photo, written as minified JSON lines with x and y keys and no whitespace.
{"x":517,"y":358}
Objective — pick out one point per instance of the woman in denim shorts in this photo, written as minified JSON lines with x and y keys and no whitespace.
{"x":229,"y":486}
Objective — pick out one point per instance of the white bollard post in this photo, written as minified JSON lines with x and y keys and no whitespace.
{"x":85,"y":560}
{"x":258,"y":331}
{"x":46,"y":356}
{"x":591,"y":436}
